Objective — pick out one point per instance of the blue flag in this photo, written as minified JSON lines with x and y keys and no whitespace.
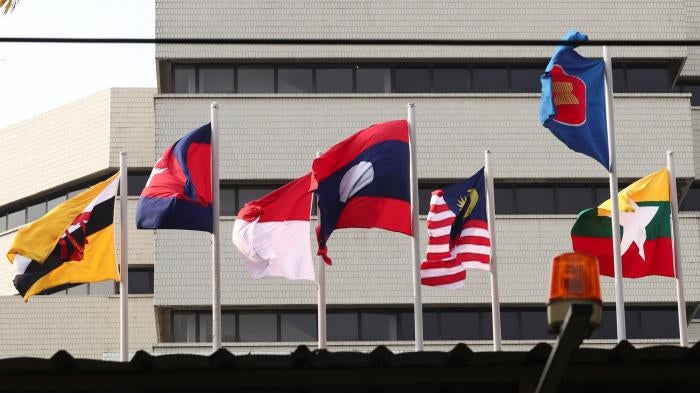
{"x":573,"y":101}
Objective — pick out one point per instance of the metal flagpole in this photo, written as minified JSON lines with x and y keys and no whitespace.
{"x":676,"y":235}
{"x":320,"y":284}
{"x":215,"y":252}
{"x":619,"y":299}
{"x":413,"y":174}
{"x":123,"y":261}
{"x":490,"y":209}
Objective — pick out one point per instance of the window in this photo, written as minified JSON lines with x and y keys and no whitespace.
{"x":185,"y":326}
{"x":3,"y":222}
{"x":460,"y":325}
{"x":257,"y":327}
{"x":256,"y":80}
{"x":334,"y":80}
{"x":298,"y":326}
{"x":535,"y":200}
{"x":526,"y":80}
{"x":184,"y":79}
{"x":16,"y":219}
{"x":36,"y":211}
{"x":103,"y":287}
{"x":691,"y":200}
{"x":216,"y":80}
{"x":412,"y":80}
{"x":136,"y":184}
{"x":373,"y":80}
{"x":490,"y":80}
{"x":342,"y":326}
{"x":250,"y":194}
{"x":294,"y":80}
{"x":228,"y":327}
{"x":424,"y":195}
{"x":379,"y":326}
{"x":504,"y":199}
{"x":572,"y":199}
{"x":647,"y":80}
{"x":141,"y":280}
{"x":81,"y":289}
{"x":693,"y":88}
{"x":227,"y":196}
{"x":55,"y":202}
{"x":204,"y":325}
{"x":450,"y":80}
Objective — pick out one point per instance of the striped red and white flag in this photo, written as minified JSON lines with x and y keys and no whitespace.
{"x":456,"y":244}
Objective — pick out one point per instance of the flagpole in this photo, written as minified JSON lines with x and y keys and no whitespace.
{"x":676,"y":235}
{"x":417,"y":301}
{"x":490,"y":209}
{"x":321,"y":284}
{"x":123,"y":260}
{"x":610,"y":121}
{"x":215,"y":252}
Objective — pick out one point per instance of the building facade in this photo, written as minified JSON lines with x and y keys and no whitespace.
{"x":282,"y":103}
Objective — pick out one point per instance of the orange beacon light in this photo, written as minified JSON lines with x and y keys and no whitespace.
{"x":575,"y":280}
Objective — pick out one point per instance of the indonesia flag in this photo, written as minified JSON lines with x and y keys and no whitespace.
{"x":273,"y":233}
{"x":458,"y":234}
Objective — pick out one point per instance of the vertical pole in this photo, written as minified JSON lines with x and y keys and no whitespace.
{"x":609,"y":119}
{"x":676,"y":236}
{"x":413,"y":175}
{"x":321,"y":284}
{"x":215,"y":252}
{"x":490,"y":209}
{"x":123,"y":261}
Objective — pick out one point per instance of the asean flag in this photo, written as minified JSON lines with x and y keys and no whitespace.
{"x":363,"y":182}
{"x":178,"y":192}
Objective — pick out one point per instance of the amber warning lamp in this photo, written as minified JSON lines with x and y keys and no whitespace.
{"x":575,"y":280}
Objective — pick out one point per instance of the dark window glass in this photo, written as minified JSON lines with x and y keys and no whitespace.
{"x":294,"y":80}
{"x":659,"y":323}
{"x":260,"y":327}
{"x":216,"y":80}
{"x":607,"y":328}
{"x":141,"y":280}
{"x":504,"y":199}
{"x":102,"y":288}
{"x":526,"y":80}
{"x":450,"y":80}
{"x":250,"y":194}
{"x":692,"y":199}
{"x":256,"y":80}
{"x":647,"y":80}
{"x":3,"y":222}
{"x":379,"y":326}
{"x":534,"y":325}
{"x":184,"y":79}
{"x":693,"y":89}
{"x":228,"y":327}
{"x":76,"y":192}
{"x":431,"y":327}
{"x":342,"y":326}
{"x":412,"y":80}
{"x":460,"y":325}
{"x":55,"y":202}
{"x":81,"y":289}
{"x":602,"y":194}
{"x":486,"y":325}
{"x":535,"y":200}
{"x":574,"y":199}
{"x":36,"y":211}
{"x":633,"y":321}
{"x":334,"y":80}
{"x":406,"y":326}
{"x":298,"y":326}
{"x":619,"y":84}
{"x":204,"y":332}
{"x":184,"y":326}
{"x":228,"y":201}
{"x":373,"y":80}
{"x":424,"y":195}
{"x":510,"y":325}
{"x":16,"y":219}
{"x":135,"y":184}
{"x":489,"y":80}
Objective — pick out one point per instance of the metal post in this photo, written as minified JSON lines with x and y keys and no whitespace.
{"x":417,"y":301}
{"x":609,"y":119}
{"x":123,"y":260}
{"x":490,"y":209}
{"x":676,"y":236}
{"x":215,"y":252}
{"x":321,"y":284}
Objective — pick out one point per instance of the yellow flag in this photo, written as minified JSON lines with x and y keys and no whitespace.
{"x":651,"y":188}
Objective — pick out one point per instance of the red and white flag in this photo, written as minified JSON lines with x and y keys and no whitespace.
{"x":273,"y":233}
{"x":458,"y":234}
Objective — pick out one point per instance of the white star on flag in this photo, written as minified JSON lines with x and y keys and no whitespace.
{"x":635,"y":223}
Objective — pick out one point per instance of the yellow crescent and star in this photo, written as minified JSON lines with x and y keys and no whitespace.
{"x":471,"y":197}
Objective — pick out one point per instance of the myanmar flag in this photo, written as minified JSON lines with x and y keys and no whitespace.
{"x":72,"y":244}
{"x":645,"y":217}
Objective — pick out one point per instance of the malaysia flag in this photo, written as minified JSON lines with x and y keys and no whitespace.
{"x":458,"y":234}
{"x":178,"y":193}
{"x":363,"y":182}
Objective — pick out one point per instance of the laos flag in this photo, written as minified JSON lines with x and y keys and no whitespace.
{"x":573,"y":101}
{"x":363,"y":182}
{"x":178,"y":192}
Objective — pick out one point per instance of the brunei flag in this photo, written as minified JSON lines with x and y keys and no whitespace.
{"x":72,"y":244}
{"x":645,"y":217}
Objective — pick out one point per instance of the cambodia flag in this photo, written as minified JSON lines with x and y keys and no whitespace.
{"x":363,"y":182}
{"x":178,"y":192}
{"x":572,"y":105}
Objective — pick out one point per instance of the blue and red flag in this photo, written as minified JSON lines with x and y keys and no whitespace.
{"x":363,"y":182}
{"x":178,"y":192}
{"x":573,"y":101}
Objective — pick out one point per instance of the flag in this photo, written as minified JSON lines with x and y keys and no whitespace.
{"x":572,"y":104}
{"x":178,"y":193}
{"x":272,"y":233}
{"x":363,"y":182}
{"x":646,"y":244}
{"x":458,"y":234}
{"x":72,"y":244}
